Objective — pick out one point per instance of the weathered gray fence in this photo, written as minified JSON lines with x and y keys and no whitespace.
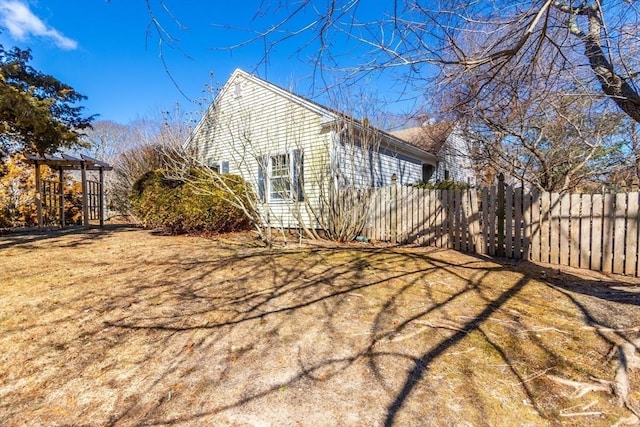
{"x":591,"y":231}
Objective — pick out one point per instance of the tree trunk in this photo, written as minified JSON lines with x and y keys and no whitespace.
{"x":613,"y":85}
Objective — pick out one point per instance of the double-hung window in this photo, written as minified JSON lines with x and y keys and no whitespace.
{"x":280,"y":177}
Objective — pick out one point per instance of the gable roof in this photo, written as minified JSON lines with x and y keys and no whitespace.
{"x":428,"y":137}
{"x":329,"y":115}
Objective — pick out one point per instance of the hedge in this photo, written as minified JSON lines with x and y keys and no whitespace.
{"x":198,"y":204}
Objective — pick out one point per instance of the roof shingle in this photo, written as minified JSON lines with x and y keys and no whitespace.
{"x":430,"y":138}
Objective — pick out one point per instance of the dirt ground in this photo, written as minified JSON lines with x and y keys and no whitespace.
{"x":123,"y":327}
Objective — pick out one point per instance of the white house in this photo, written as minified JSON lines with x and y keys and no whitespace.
{"x":292,"y":149}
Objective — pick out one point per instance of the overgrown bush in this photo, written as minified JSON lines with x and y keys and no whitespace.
{"x":195,"y":206}
{"x":447,"y":184}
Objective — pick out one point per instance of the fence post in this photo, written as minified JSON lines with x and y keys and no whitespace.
{"x":101,"y":197}
{"x":85,"y":196}
{"x":500,"y":214}
{"x":38,"y":193}
{"x":61,"y":195}
{"x":394,"y":209}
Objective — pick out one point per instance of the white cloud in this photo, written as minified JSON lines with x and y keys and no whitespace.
{"x":16,"y":17}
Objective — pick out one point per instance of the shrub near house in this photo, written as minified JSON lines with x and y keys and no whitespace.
{"x":182,"y":207}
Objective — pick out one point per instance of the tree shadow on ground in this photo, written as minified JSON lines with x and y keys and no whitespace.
{"x":18,"y":237}
{"x":303,"y":291}
{"x":253,"y":331}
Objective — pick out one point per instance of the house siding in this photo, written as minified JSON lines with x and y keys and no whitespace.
{"x":455,"y":161}
{"x":374,"y":166}
{"x":250,"y":121}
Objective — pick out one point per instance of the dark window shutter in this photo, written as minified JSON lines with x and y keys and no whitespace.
{"x":262,"y":177}
{"x":298,"y":175}
{"x":224,"y":167}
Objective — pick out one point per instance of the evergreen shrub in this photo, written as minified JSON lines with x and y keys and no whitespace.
{"x":198,"y":204}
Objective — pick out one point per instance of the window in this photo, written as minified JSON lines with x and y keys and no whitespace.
{"x":224,"y":167}
{"x":280,"y":177}
{"x":427,"y":172}
{"x":280,"y":180}
{"x":219,"y":167}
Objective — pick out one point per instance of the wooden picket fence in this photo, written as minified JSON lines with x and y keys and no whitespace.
{"x":590,"y":231}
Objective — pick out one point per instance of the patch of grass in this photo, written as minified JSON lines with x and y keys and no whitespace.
{"x":123,"y":327}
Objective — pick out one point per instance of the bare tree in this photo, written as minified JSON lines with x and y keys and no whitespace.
{"x":134,"y":149}
{"x":482,"y":38}
{"x":107,"y":139}
{"x":522,"y":57}
{"x":181,"y":161}
{"x":239,"y":151}
{"x":559,"y":149}
{"x":341,"y":204}
{"x":627,"y":171}
{"x":634,"y":139}
{"x":539,"y":135}
{"x":335,"y":203}
{"x":128,"y":167}
{"x":341,"y":207}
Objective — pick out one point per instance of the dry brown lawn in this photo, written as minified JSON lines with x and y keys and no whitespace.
{"x":124,"y":327}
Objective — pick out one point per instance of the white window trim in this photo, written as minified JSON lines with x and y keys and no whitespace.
{"x":219,"y":166}
{"x":270,"y":177}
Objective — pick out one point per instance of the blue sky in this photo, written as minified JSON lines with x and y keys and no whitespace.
{"x":108,"y":51}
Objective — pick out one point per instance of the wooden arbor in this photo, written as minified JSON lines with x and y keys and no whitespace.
{"x":65,"y":162}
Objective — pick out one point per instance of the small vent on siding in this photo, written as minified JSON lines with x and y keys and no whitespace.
{"x":237,"y":90}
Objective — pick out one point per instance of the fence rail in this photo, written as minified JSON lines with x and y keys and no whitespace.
{"x":591,"y":231}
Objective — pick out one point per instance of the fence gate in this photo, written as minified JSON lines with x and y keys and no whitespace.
{"x":94,"y":192}
{"x":55,"y":203}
